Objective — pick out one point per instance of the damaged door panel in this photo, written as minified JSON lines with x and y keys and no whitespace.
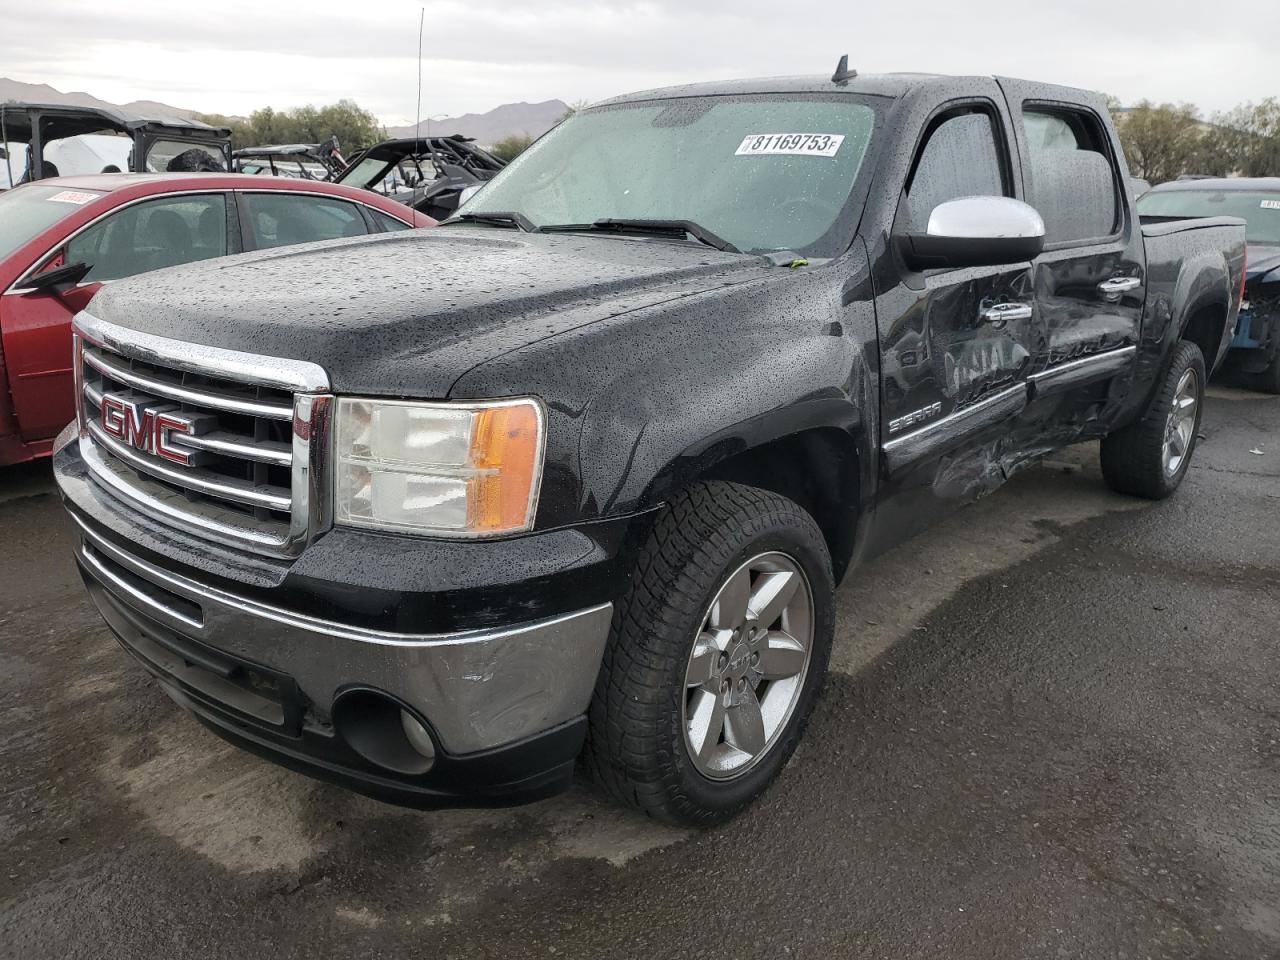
{"x":1090,"y":281}
{"x":952,"y":340}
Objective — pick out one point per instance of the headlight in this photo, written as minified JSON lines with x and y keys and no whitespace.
{"x":450,"y":469}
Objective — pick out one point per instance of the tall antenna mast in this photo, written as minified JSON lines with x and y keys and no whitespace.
{"x":417,"y":123}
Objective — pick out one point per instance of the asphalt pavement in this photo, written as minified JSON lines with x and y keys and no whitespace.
{"x":1052,"y":729}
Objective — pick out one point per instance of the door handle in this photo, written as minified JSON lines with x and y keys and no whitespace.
{"x":998,"y":314}
{"x":1115,"y":288}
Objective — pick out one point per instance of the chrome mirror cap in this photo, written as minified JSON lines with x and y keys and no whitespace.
{"x":975,"y":232}
{"x":986,"y":218}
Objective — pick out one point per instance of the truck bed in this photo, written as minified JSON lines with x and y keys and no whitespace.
{"x":1164,"y":226}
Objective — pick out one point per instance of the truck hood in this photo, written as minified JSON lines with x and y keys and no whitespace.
{"x":409,"y":313}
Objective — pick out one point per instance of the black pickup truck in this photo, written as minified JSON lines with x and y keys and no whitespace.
{"x":570,"y":480}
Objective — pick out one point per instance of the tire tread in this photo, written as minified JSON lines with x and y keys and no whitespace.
{"x":1133,"y":457}
{"x":629,"y":753}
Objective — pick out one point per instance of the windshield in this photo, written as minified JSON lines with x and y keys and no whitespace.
{"x":388,"y":176}
{"x":366,"y":173}
{"x":1261,"y":210}
{"x":765,"y":172}
{"x":29,"y":210}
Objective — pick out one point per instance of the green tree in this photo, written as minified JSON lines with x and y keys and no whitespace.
{"x":508,"y":148}
{"x":1249,"y":136}
{"x":1161,"y":141}
{"x":355,"y":127}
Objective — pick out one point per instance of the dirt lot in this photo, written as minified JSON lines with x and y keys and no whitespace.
{"x":1061,"y":740}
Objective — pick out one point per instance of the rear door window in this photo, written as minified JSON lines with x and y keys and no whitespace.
{"x":282,"y":219}
{"x":1072,"y":181}
{"x":157,"y":233}
{"x":960,"y":158}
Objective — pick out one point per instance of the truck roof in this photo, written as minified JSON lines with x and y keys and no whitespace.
{"x":872,"y":84}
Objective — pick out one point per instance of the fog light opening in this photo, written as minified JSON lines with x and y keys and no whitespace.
{"x":385,"y":733}
{"x":419,"y":739}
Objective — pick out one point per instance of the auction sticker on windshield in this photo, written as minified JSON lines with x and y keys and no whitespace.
{"x":73,"y":196}
{"x":790,"y":144}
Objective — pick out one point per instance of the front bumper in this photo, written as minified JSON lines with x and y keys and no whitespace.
{"x":504,"y":705}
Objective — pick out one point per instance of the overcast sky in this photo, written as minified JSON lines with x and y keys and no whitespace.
{"x":232,"y":56}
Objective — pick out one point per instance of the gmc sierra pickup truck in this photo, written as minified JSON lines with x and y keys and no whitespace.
{"x":570,"y":480}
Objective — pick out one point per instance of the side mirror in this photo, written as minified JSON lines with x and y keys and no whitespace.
{"x":976,"y":232}
{"x":59,"y":281}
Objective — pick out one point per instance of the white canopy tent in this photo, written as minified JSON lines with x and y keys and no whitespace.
{"x":15,"y":165}
{"x":89,"y":153}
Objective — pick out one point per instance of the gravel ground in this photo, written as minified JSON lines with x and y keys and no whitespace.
{"x":1052,"y":730}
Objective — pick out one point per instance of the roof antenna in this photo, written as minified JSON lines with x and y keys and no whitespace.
{"x":843,"y":74}
{"x":417,"y":124}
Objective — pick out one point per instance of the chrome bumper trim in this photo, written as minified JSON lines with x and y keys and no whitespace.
{"x":479,"y":689}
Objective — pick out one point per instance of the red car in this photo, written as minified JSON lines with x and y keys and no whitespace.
{"x":62,"y":238}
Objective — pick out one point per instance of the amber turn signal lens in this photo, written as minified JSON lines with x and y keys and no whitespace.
{"x":505,"y":453}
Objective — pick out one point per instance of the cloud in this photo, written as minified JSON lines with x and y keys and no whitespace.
{"x":233,"y":56}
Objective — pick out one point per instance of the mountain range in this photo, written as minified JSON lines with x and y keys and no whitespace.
{"x":533,"y":119}
{"x":43,"y":93}
{"x":488,"y":128}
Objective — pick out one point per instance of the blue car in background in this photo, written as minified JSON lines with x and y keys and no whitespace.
{"x":1256,"y":347}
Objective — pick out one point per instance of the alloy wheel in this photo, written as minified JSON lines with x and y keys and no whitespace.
{"x":1180,"y":428}
{"x":748,"y":665}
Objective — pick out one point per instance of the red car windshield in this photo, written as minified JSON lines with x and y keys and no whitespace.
{"x":29,"y":210}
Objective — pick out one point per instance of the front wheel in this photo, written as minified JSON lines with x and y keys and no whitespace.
{"x":716,"y":656}
{"x":1150,"y":457}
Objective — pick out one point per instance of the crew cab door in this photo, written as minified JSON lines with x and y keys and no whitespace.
{"x":1090,"y":280}
{"x":143,"y":236}
{"x":954,"y":343}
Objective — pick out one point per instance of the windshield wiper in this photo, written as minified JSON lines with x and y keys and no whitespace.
{"x":513,"y":217}
{"x":671,"y":228}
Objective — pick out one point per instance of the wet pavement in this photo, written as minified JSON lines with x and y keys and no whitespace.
{"x":1052,"y":730}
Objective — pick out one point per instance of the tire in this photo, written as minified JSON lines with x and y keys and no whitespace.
{"x":1136,"y":459}
{"x":645,"y":716}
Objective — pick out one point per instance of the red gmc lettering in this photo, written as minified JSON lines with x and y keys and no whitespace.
{"x":114,"y":416}
{"x":144,"y":429}
{"x":165,"y":425}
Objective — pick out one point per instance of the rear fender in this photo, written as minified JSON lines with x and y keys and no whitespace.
{"x":1197,"y":304}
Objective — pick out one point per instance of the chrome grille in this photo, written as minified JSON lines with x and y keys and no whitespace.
{"x":244,"y":464}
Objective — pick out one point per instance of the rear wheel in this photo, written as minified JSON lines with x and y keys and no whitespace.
{"x":1150,"y":457}
{"x":716,"y":657}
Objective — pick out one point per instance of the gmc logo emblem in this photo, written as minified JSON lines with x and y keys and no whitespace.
{"x":147,"y":425}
